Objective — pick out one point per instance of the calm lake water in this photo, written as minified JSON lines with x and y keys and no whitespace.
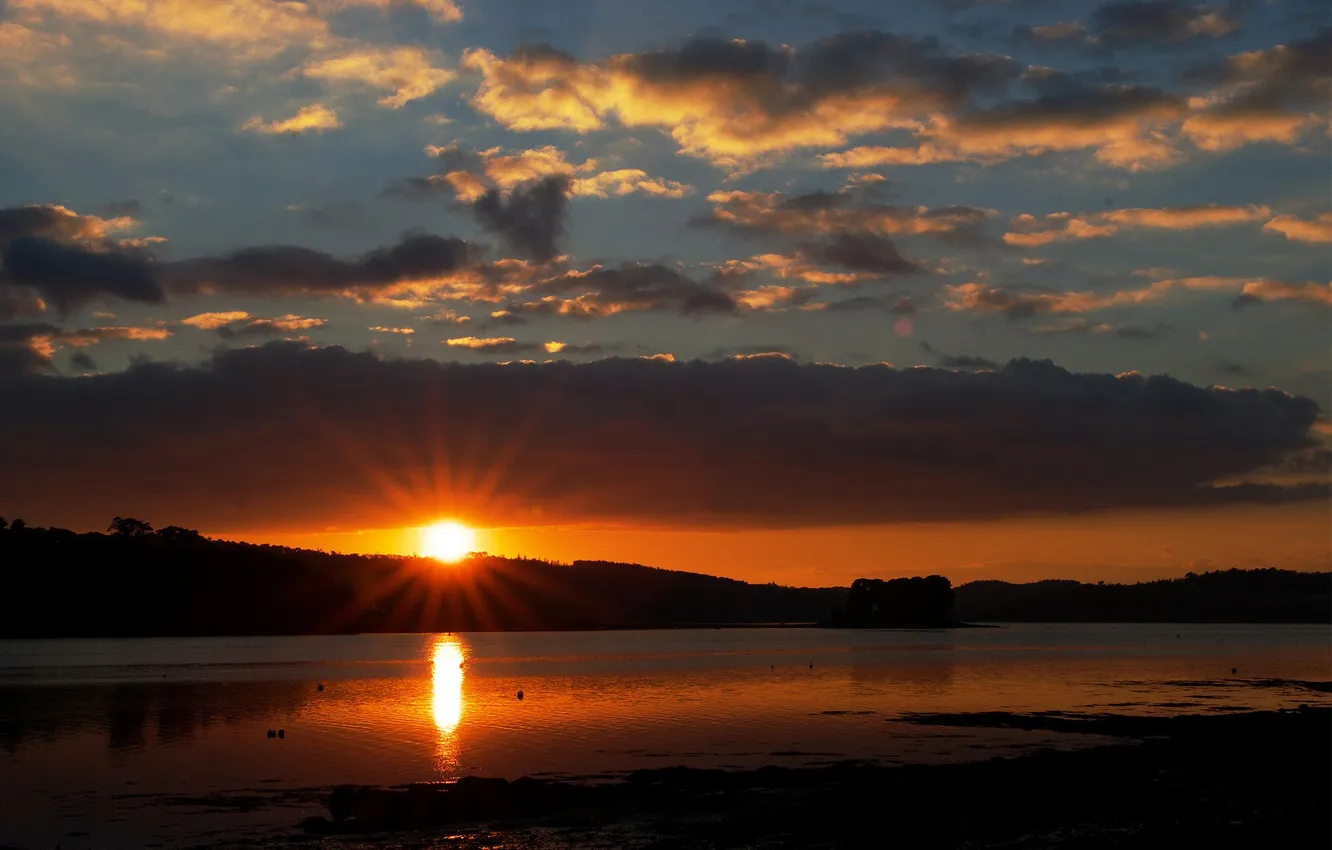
{"x":132,"y":743}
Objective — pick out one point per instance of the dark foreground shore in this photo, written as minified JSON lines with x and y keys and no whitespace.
{"x":1258,"y":779}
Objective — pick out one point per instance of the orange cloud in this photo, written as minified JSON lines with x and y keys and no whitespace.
{"x":93,"y":336}
{"x":407,"y":73}
{"x":1223,"y":130}
{"x":982,"y":298}
{"x":315,"y":118}
{"x":480,"y":343}
{"x":213,"y":321}
{"x":792,"y":267}
{"x":1319,"y":229}
{"x":380,"y":329}
{"x":487,"y":169}
{"x":61,"y":223}
{"x":1123,"y":127}
{"x":443,"y":11}
{"x":1314,"y":294}
{"x":32,"y":56}
{"x":1032,"y":231}
{"x":725,"y":110}
{"x":627,"y":181}
{"x":255,"y":28}
{"x":831,"y":213}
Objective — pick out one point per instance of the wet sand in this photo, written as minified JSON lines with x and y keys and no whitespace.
{"x":1251,"y":779}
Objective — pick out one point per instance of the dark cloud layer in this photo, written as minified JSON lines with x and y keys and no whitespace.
{"x":285,"y":269}
{"x":1162,"y":22}
{"x":530,"y":219}
{"x":69,"y":275}
{"x":629,"y":287}
{"x":285,"y":436}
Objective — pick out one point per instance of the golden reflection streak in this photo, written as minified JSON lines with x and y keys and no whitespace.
{"x":446,"y":678}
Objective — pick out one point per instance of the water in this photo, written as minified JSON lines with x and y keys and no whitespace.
{"x":111,"y":743}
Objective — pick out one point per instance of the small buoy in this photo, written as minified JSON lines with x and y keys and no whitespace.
{"x":811,"y":665}
{"x":321,"y":687}
{"x":1233,"y":671}
{"x":272,"y":734}
{"x":520,"y":695}
{"x":282,"y":733}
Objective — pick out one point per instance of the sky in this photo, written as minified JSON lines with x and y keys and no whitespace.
{"x":777,"y":290}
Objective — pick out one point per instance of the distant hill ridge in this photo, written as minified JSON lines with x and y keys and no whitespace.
{"x":173,"y":581}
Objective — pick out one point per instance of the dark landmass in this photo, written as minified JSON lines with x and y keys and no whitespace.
{"x":173,"y":581}
{"x":1257,"y":779}
{"x":899,"y":603}
{"x":137,"y":581}
{"x":1229,"y":596}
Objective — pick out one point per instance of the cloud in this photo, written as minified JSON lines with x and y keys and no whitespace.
{"x":627,"y":181}
{"x":213,"y":321}
{"x":530,"y":218}
{"x":1061,"y":31}
{"x":757,"y":442}
{"x":1016,"y":304}
{"x":380,"y":329}
{"x":1083,"y":326}
{"x":1310,"y":294}
{"x":446,"y":317}
{"x":1317,"y":229}
{"x":442,"y":11}
{"x":55,"y":222}
{"x":288,"y":324}
{"x":1271,"y":95}
{"x":493,"y":345}
{"x":406,"y":73}
{"x":313,"y":118}
{"x":95,"y":336}
{"x":68,"y":275}
{"x":858,"y":252}
{"x":26,"y":348}
{"x":467,"y":175}
{"x":601,"y":291}
{"x":277,"y":270}
{"x":1124,"y":126}
{"x":832,"y":213}
{"x":736,"y":101}
{"x":248,"y":28}
{"x":1160,"y":22}
{"x":582,"y":349}
{"x":34,"y":57}
{"x":1033,"y":231}
{"x":958,"y":361}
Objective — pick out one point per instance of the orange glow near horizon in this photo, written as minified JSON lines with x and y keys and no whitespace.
{"x":1111,"y":546}
{"x":447,"y":541}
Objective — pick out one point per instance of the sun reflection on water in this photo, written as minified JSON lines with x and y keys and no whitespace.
{"x":446,"y":678}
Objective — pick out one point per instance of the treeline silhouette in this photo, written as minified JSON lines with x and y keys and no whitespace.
{"x":137,"y":581}
{"x":1221,"y":596}
{"x":899,"y":603}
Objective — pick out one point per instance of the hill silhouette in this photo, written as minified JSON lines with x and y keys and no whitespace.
{"x":1221,"y":596}
{"x":137,"y":581}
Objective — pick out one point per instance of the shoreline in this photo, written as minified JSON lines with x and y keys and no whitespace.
{"x":1256,"y":778}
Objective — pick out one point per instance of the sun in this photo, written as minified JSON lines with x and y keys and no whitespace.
{"x":447,"y":541}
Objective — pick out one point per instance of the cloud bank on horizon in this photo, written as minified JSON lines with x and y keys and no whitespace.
{"x":197,"y":198}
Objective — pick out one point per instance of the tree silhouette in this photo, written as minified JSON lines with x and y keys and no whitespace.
{"x":176,"y":534}
{"x":129,"y":527}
